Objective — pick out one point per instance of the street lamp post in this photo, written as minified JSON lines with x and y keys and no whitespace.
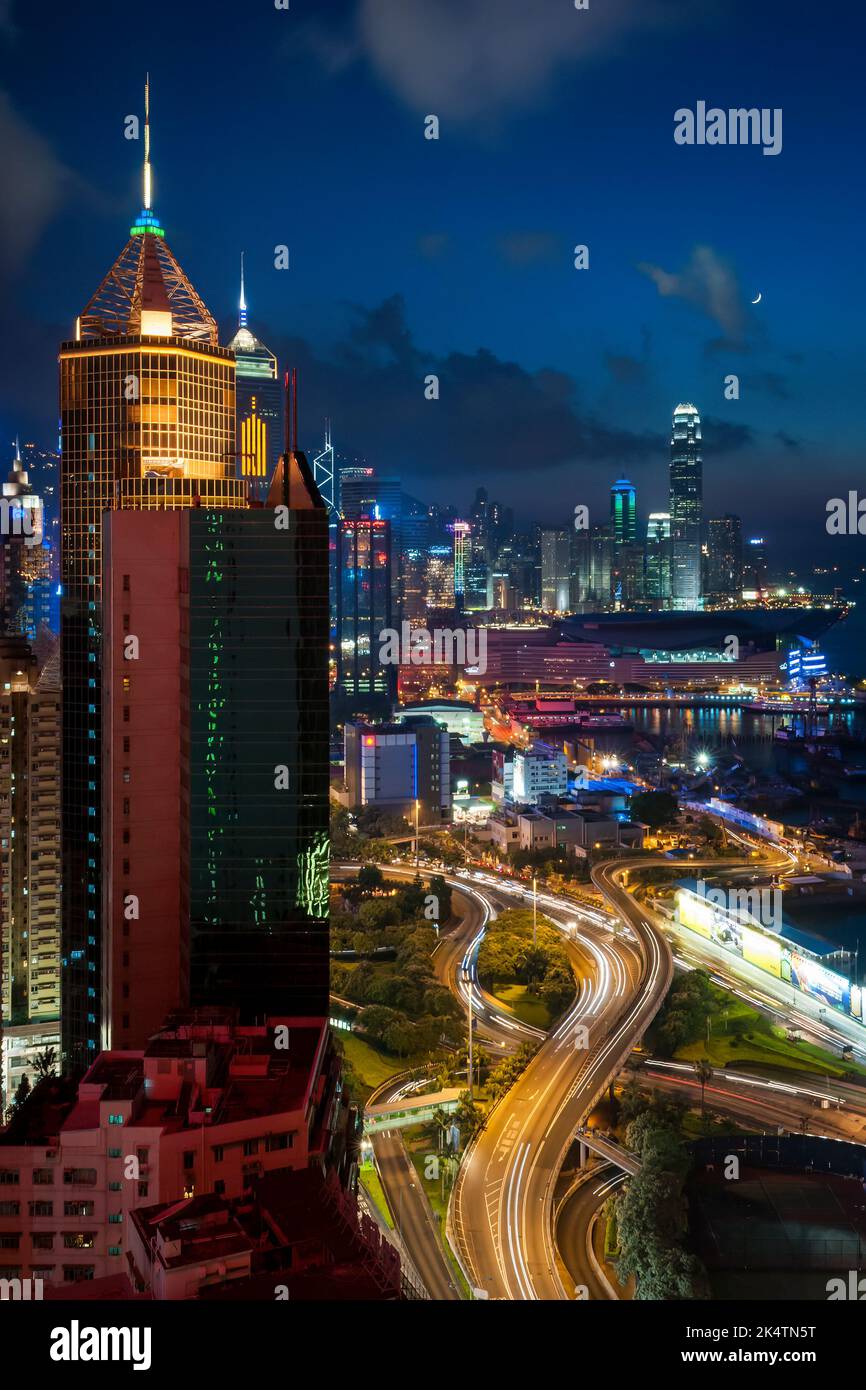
{"x":470,"y":1038}
{"x":534,"y":912}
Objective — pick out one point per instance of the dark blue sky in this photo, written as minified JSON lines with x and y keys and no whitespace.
{"x":454,"y":256}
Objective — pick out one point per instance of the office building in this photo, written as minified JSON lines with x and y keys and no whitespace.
{"x":440,"y":577}
{"x":524,"y":776}
{"x":259,"y":397}
{"x":391,"y":766}
{"x":25,"y":556}
{"x":364,"y":611}
{"x":755,"y":567}
{"x":628,"y":584}
{"x":556,"y":566}
{"x":594,"y":569}
{"x":657,"y":569}
{"x":147,"y":417}
{"x":462,"y":533}
{"x":724,"y":556}
{"x":686,"y":508}
{"x":29,"y":861}
{"x":215,"y":763}
{"x":623,"y":512}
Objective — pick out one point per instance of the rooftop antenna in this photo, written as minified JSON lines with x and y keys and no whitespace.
{"x":147,"y":174}
{"x":242,"y":307}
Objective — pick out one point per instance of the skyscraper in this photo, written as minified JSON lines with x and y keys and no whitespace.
{"x":686,"y":490}
{"x":363,"y":611}
{"x":215,"y":807}
{"x":29,"y":858}
{"x":657,"y":584}
{"x":724,"y":556}
{"x":755,"y":566}
{"x":147,"y":420}
{"x":25,"y":559}
{"x":623,"y":512}
{"x":594,"y":569}
{"x":259,"y":400}
{"x":555,"y":570}
{"x":462,"y":532}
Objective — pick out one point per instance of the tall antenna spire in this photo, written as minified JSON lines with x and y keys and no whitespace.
{"x":147,"y":175}
{"x":242,"y":306}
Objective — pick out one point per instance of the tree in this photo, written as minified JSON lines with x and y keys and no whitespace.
{"x":45,"y":1062}
{"x":22,"y":1092}
{"x":704,"y":1073}
{"x":370,"y":878}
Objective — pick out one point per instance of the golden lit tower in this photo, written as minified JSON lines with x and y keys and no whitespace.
{"x":147,"y":411}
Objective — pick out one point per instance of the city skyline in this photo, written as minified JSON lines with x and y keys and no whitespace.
{"x":663,"y":314}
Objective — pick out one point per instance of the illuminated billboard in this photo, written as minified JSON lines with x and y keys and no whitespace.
{"x":768,"y":952}
{"x":696,"y":913}
{"x":763,"y":951}
{"x":819,"y":982}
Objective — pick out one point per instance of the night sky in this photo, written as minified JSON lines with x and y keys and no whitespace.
{"x":411,"y":256}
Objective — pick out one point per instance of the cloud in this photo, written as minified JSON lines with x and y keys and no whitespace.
{"x":710,"y":285}
{"x":34,"y":184}
{"x":492,"y":416}
{"x":724,"y":437}
{"x":527,"y":248}
{"x":7,"y":25}
{"x":788,"y":440}
{"x":466,"y":60}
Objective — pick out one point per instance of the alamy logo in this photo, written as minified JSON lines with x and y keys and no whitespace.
{"x":846,"y":516}
{"x":77,"y":1343}
{"x":20,"y":1290}
{"x":16,"y":520}
{"x":854,"y":1291}
{"x":737,"y":126}
{"x":420,"y":647}
{"x":763,"y":905}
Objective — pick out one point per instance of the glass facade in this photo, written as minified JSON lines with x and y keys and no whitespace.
{"x":257,"y":737}
{"x":364,"y":608}
{"x":686,"y":509}
{"x":147,"y":422}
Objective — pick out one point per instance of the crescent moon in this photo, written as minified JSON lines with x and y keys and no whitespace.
{"x":758,"y":300}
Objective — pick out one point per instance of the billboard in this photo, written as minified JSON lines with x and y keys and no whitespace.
{"x":768,"y":952}
{"x":763,"y":951}
{"x":819,"y":982}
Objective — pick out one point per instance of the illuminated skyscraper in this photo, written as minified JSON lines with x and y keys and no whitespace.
{"x":623,"y":512}
{"x":25,"y":560}
{"x":556,"y":566}
{"x":686,"y":481}
{"x":658,"y":558}
{"x":462,"y":532}
{"x":259,"y":406}
{"x":147,"y":419}
{"x":363,"y":611}
{"x":215,"y":796}
{"x":29,"y":858}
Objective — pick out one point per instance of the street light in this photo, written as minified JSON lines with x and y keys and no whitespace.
{"x":534,"y":911}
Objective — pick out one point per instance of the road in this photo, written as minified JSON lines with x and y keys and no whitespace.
{"x":414,"y":1216}
{"x":574,"y":1228}
{"x":500,"y":1217}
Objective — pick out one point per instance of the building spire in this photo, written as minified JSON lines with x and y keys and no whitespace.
{"x":147,"y":176}
{"x":242,"y":306}
{"x":147,"y":223}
